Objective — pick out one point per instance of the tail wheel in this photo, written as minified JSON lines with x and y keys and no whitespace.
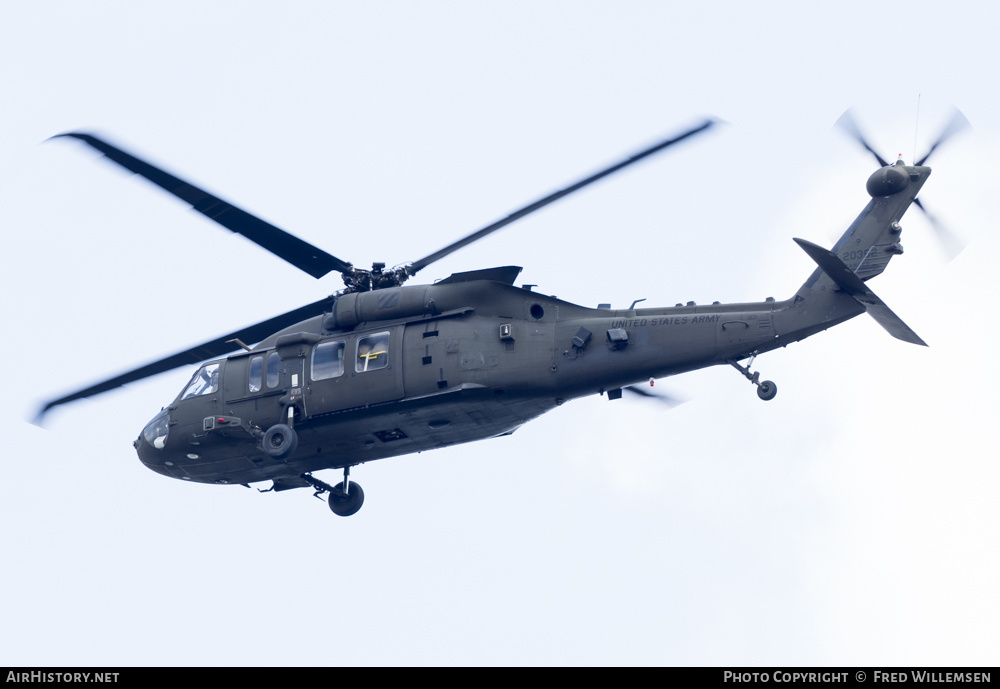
{"x":279,"y":441}
{"x":766,"y":390}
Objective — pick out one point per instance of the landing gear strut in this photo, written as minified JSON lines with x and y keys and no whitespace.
{"x":766,"y":389}
{"x":346,"y":497}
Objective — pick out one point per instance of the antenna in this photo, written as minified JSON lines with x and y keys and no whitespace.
{"x":915,"y":124}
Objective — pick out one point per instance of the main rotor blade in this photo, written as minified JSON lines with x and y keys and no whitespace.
{"x":847,"y":123}
{"x":957,"y":123}
{"x":412,"y":268}
{"x":299,"y":253}
{"x":668,"y":400}
{"x":207,"y":350}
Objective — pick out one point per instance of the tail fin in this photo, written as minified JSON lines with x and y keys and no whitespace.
{"x":849,"y":282}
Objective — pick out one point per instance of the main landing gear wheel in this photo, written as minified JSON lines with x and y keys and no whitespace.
{"x":344,"y":504}
{"x":279,"y":441}
{"x":346,"y":497}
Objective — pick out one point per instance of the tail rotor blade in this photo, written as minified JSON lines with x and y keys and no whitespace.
{"x":847,"y":123}
{"x":951,"y":244}
{"x":957,"y":123}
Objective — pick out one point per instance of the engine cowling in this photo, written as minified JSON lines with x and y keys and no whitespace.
{"x":384,"y":304}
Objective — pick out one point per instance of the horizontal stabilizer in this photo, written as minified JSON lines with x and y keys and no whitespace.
{"x":850,"y":283}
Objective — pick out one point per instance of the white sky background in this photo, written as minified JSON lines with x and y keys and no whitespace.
{"x":852,"y":520}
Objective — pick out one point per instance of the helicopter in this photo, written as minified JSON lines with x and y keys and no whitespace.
{"x":382,"y":368}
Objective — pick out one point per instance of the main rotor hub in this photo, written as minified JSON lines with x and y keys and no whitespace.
{"x":360,"y":280}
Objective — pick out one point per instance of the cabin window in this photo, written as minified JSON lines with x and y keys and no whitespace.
{"x":373,"y":353}
{"x":256,"y":373}
{"x":204,"y":382}
{"x":328,"y":360}
{"x":273,"y":360}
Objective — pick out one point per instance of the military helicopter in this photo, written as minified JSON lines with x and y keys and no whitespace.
{"x":382,"y":368}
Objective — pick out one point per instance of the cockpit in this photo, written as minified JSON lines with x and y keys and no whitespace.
{"x":204,"y":382}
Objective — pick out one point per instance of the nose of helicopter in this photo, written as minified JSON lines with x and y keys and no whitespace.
{"x":151,"y":443}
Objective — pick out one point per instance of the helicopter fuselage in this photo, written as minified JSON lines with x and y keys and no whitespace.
{"x":423,"y":367}
{"x":405,"y":369}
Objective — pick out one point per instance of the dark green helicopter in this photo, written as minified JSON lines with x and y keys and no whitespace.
{"x":382,"y":369}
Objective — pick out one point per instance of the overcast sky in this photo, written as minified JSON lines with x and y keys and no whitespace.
{"x":852,"y":520}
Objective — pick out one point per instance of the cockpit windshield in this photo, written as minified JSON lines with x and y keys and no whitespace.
{"x":204,"y":382}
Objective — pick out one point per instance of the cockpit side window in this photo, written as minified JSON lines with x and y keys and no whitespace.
{"x":256,"y":373}
{"x":373,"y":353}
{"x":204,"y":382}
{"x":273,"y":361}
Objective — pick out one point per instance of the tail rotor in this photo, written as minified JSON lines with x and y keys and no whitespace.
{"x":951,"y":244}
